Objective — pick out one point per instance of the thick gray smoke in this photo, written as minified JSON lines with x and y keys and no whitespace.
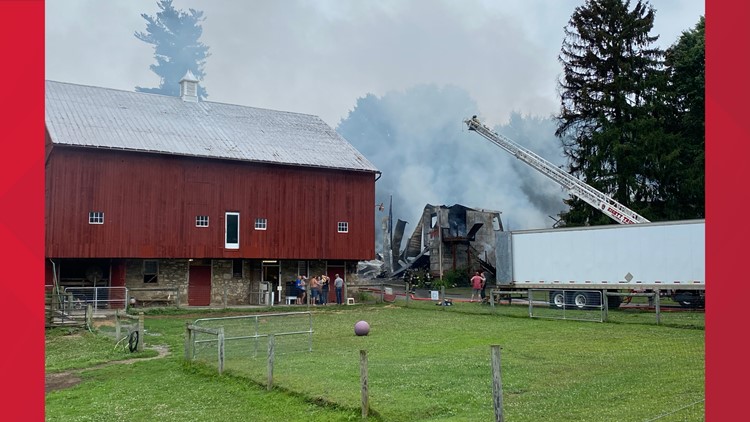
{"x":418,"y":140}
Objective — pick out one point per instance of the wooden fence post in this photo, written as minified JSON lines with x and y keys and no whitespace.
{"x":497,"y":383}
{"x":117,"y":325}
{"x":221,"y":350}
{"x":141,"y":332}
{"x":271,"y":352}
{"x":188,"y":340}
{"x":363,"y":381}
{"x":530,"y":297}
{"x":657,"y":306}
{"x":605,"y":304}
{"x":89,"y":315}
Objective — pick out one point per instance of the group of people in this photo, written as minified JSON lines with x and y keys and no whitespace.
{"x":319,"y":288}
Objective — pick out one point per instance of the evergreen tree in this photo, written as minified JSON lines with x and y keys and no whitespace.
{"x":609,"y":90}
{"x":175,"y":36}
{"x":680,"y":164}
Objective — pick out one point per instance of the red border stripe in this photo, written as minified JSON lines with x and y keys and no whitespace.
{"x":727,"y":129}
{"x":22,"y":205}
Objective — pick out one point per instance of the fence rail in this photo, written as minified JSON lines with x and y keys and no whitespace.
{"x":192,"y":331}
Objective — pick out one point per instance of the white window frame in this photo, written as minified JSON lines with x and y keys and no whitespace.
{"x":201,"y":221}
{"x":343,"y":227}
{"x":227,"y":244}
{"x":96,"y":217}
{"x":261,"y":224}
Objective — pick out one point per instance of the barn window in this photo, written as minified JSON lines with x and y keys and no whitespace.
{"x":302,"y":268}
{"x":201,"y":221}
{"x":96,"y":217}
{"x":261,"y":224}
{"x":232,"y":230}
{"x":150,"y":271}
{"x":343,"y":227}
{"x":237,"y":268}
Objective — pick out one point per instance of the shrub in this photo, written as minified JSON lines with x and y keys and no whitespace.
{"x":455,"y":278}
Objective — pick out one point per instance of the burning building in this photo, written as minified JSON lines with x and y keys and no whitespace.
{"x":447,"y":238}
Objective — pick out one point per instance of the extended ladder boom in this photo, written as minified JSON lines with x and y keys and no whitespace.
{"x":592,"y":196}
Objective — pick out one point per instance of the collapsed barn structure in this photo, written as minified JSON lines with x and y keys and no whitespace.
{"x":445,"y":238}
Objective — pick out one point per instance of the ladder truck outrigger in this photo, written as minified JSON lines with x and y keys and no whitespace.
{"x":665,"y":258}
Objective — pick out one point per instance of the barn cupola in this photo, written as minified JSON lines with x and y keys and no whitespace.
{"x":189,"y":87}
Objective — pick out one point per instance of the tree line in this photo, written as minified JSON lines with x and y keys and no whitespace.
{"x":631,"y":120}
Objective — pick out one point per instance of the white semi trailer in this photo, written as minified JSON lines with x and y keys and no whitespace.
{"x":666,"y":257}
{"x":575,"y":263}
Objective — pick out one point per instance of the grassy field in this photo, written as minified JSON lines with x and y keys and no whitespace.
{"x":425,"y":363}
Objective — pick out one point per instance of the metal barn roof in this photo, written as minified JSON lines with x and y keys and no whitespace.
{"x":86,"y":116}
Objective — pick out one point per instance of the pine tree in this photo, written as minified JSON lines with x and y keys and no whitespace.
{"x":608,"y":92}
{"x":682,"y":169}
{"x":175,"y":36}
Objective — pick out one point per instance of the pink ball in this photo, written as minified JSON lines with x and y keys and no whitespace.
{"x":361,"y":328}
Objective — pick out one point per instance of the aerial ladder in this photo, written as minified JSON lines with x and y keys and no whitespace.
{"x":592,"y":196}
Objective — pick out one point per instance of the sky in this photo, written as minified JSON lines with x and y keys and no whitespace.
{"x":325,"y":57}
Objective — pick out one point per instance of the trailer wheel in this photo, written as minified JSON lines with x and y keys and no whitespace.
{"x":688,"y":299}
{"x":557,"y":299}
{"x":581,"y":299}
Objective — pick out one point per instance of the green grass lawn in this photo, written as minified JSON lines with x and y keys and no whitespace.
{"x":425,"y":363}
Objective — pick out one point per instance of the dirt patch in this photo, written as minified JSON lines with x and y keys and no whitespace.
{"x":60,"y":381}
{"x":67,"y":379}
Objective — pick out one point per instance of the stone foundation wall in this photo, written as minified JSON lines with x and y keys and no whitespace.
{"x":226,"y":290}
{"x":173,"y":273}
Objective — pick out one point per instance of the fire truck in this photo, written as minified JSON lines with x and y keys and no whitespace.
{"x":579,"y":265}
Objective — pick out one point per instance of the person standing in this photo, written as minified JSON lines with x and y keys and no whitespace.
{"x":315,"y":290}
{"x":476,"y":286}
{"x":301,"y":289}
{"x":324,"y":287}
{"x":338,"y":284}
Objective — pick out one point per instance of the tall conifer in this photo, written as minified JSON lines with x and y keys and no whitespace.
{"x":609,"y":87}
{"x":175,"y":36}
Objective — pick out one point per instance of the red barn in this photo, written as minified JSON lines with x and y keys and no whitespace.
{"x":218,"y":201}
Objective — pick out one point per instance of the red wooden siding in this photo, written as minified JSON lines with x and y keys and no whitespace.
{"x":150,"y":203}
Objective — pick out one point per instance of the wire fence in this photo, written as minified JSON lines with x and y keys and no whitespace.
{"x":245,"y":338}
{"x":574,"y":304}
{"x":75,"y":300}
{"x":584,"y":360}
{"x":579,"y":305}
